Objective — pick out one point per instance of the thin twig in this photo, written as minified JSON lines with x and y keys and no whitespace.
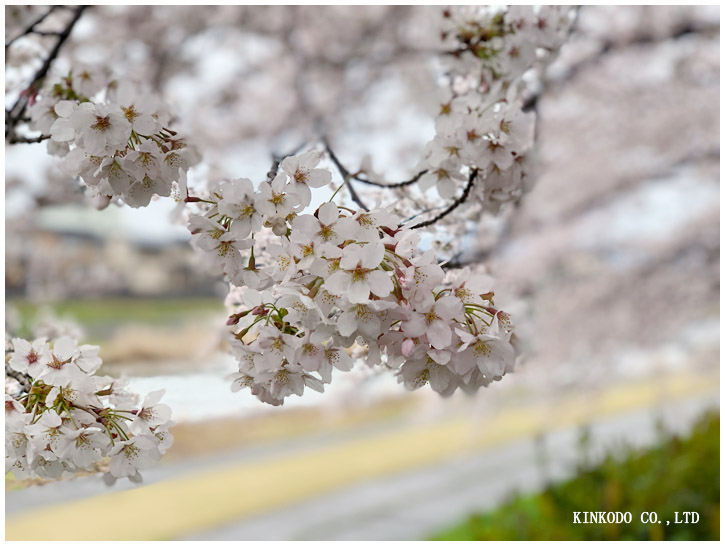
{"x":346,"y":176}
{"x":454,"y":205}
{"x":31,"y":28}
{"x":16,"y":113}
{"x":21,"y":378}
{"x":424,"y":211}
{"x":402,"y":184}
{"x":15,"y":139}
{"x":47,"y":33}
{"x":391,"y":184}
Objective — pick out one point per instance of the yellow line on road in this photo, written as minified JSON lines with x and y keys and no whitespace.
{"x":205,"y":499}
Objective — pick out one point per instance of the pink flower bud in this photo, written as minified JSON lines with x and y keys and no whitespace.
{"x":100,"y":202}
{"x":404,"y":284}
{"x":408,"y":347}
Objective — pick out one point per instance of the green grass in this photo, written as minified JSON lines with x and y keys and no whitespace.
{"x":677,"y":475}
{"x":98,"y":315}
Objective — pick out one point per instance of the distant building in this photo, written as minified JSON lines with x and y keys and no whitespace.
{"x":46,"y":262}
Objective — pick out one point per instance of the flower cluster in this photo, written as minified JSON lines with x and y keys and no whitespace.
{"x":310,"y":290}
{"x":481,"y":123}
{"x":67,"y":419}
{"x":114,"y":136}
{"x":306,"y":288}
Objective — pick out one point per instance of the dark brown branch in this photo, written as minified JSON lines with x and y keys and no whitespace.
{"x":21,"y":378}
{"x":422,"y":212}
{"x":31,"y":28}
{"x":357,"y":176}
{"x":46,"y":33}
{"x":467,"y":190}
{"x":15,"y":139}
{"x":16,"y":113}
{"x":346,"y":176}
{"x":391,"y":184}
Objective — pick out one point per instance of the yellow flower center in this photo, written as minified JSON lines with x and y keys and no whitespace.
{"x":300,"y":177}
{"x":359,"y":274}
{"x":326,"y":233}
{"x":422,"y":378}
{"x":481,"y":349}
{"x":101,"y":124}
{"x":130,"y":113}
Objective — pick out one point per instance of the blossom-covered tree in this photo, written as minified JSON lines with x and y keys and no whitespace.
{"x":314,"y":284}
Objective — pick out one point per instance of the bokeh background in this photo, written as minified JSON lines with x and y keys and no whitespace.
{"x":614,"y":258}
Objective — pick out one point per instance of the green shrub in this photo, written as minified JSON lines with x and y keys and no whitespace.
{"x":675,"y":476}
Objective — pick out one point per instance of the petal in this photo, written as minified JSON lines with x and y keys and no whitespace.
{"x":314,"y":383}
{"x":290,"y":164}
{"x":296,"y":384}
{"x":319,"y":178}
{"x":245,"y":186}
{"x":380,"y":283}
{"x":359,"y":292}
{"x":144,"y":442}
{"x":62,"y":130}
{"x":464,"y":362}
{"x":372,"y":255}
{"x":309,"y":160}
{"x":415,"y":326}
{"x":64,"y":348}
{"x":448,"y":307}
{"x":441,"y":357}
{"x":310,"y":361}
{"x":347,"y":324}
{"x":65,"y":108}
{"x":352,"y":257}
{"x":303,"y":194}
{"x":347,"y":229}
{"x":325,"y":372}
{"x":340,"y":359}
{"x":21,"y":346}
{"x":439,"y":378}
{"x":162,"y":413}
{"x":305,"y":223}
{"x":51,"y":419}
{"x":153,"y":398}
{"x":139,"y":195}
{"x":145,"y":125}
{"x":371,"y":327}
{"x":495,"y":362}
{"x":338,"y":283}
{"x":204,"y":242}
{"x":328,"y":213}
{"x":279,"y":184}
{"x":446,"y":188}
{"x":439,"y":334}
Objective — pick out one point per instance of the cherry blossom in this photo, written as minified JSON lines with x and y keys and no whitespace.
{"x":302,"y":172}
{"x":337,"y":281}
{"x":312,"y":293}
{"x":69,"y":418}
{"x":114,"y":136}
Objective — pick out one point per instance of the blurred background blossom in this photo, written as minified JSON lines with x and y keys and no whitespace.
{"x":614,"y":255}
